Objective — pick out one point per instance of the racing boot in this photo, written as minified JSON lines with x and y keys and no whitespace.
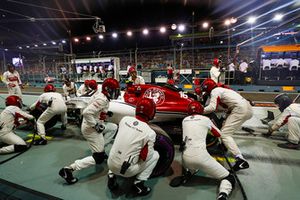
{"x":112,"y":182}
{"x":40,"y":141}
{"x":240,"y":163}
{"x":289,"y":145}
{"x":140,"y":189}
{"x":66,"y":173}
{"x":222,"y":196}
{"x":63,"y":127}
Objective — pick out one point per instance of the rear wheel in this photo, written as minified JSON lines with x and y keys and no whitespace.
{"x":165,"y":147}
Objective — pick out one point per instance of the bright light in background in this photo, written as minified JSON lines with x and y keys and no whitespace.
{"x":20,"y":47}
{"x":44,"y":44}
{"x":205,"y":25}
{"x":162,"y":29}
{"x":88,"y":38}
{"x":227,"y":22}
{"x":36,"y":45}
{"x":76,"y":40}
{"x":174,"y":26}
{"x":27,"y":47}
{"x":233,"y":20}
{"x":63,"y":41}
{"x":221,"y":42}
{"x":129,"y":33}
{"x":182,"y":44}
{"x":5,"y":49}
{"x":100,"y":37}
{"x":145,"y":31}
{"x":251,"y":20}
{"x":114,"y":35}
{"x":278,"y":17}
{"x":233,"y":29}
{"x":181,"y":27}
{"x":54,"y":43}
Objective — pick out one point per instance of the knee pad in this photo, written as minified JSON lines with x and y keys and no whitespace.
{"x":231,"y":179}
{"x":20,"y":147}
{"x":99,"y":157}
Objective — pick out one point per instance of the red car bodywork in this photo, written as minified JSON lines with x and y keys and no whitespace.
{"x":167,"y":98}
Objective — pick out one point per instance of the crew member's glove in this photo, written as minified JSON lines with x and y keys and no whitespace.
{"x":99,"y":128}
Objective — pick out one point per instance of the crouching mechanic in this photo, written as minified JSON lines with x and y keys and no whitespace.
{"x":93,"y":129}
{"x":195,"y":155}
{"x":55,"y":105}
{"x":132,"y":153}
{"x":238,"y":109}
{"x":9,"y":119}
{"x":290,"y":115}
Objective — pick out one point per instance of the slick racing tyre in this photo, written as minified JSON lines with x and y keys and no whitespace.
{"x":165,"y":147}
{"x":211,"y":140}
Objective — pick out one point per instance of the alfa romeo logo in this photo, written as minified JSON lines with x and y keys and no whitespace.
{"x":157,"y":95}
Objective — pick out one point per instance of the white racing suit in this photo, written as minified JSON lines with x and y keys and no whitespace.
{"x":97,"y":141}
{"x":138,"y":81}
{"x":55,"y":106}
{"x":82,"y":90}
{"x":291,"y":117}
{"x":13,"y":82}
{"x":133,"y":144}
{"x":217,"y":75}
{"x":239,"y":110}
{"x":195,"y":155}
{"x":70,"y":91}
{"x":9,"y":119}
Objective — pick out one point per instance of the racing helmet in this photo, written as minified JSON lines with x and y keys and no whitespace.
{"x":49,"y":88}
{"x":208,"y":85}
{"x":131,"y":70}
{"x":86,"y":82}
{"x":195,"y":107}
{"x":216,"y":62}
{"x":283,"y":101}
{"x":93,"y":84}
{"x":198,"y":91}
{"x":146,"y":109}
{"x":13,"y":100}
{"x":111,"y":88}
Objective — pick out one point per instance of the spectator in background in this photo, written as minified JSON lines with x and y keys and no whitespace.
{"x":12,"y":80}
{"x":231,"y":69}
{"x":110,"y":71}
{"x":170,"y":72}
{"x":243,"y":70}
{"x":102,"y":72}
{"x":63,"y":71}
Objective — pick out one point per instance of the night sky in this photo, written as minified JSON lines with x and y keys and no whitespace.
{"x":27,"y":22}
